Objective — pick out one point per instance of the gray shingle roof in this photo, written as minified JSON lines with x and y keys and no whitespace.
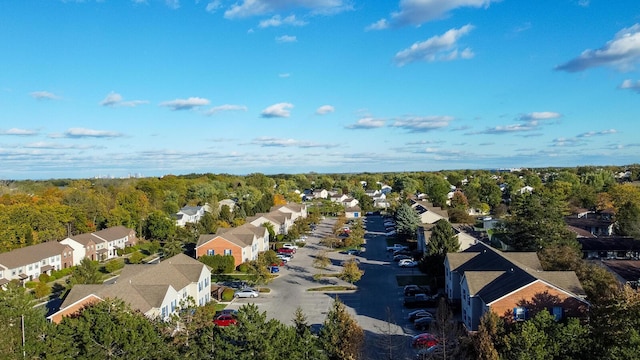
{"x":31,"y":254}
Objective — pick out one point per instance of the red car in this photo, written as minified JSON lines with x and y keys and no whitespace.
{"x":425,"y":340}
{"x":225,"y":320}
{"x":279,"y":263}
{"x":286,"y":251}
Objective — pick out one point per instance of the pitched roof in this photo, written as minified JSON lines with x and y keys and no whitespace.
{"x":517,"y":270}
{"x":83,"y":239}
{"x":609,"y":243}
{"x":31,"y":254}
{"x":144,"y":286}
{"x":353,"y":209}
{"x":113,"y":233}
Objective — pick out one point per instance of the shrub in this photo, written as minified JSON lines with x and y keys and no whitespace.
{"x":244,"y":267}
{"x":227,"y":294}
{"x":44,"y":278}
{"x":42,"y":290}
{"x":219,"y":264}
{"x":31,"y":284}
{"x":136,"y":258}
{"x":129,"y":250}
{"x":114,"y":265}
{"x":119,"y":252}
{"x":58,"y":274}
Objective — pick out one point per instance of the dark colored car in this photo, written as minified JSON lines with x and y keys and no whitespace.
{"x":423,"y":323}
{"x":418,"y":314}
{"x":231,"y":312}
{"x":425,"y":340}
{"x":274,"y":269}
{"x":411,"y":290}
{"x":225,"y":320}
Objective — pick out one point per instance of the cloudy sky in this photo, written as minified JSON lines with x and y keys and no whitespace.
{"x":152,"y":87}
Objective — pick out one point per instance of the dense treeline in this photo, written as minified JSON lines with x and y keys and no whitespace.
{"x":111,"y":330}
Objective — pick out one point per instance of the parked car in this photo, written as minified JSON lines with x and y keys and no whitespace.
{"x":225,"y":320}
{"x":397,"y":258}
{"x":420,"y":300}
{"x":395,"y":247}
{"x":410,"y":290}
{"x":423,"y":323}
{"x":408,"y":263}
{"x":231,"y":312}
{"x":352,"y":252}
{"x":246,"y":293}
{"x":424,"y":340}
{"x":422,"y":315}
{"x":290,"y":246}
{"x":274,"y":269}
{"x":402,"y":252}
{"x":284,"y":250}
{"x":284,"y":257}
{"x":417,"y":314}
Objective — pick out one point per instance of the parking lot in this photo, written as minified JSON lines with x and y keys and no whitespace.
{"x":376,"y":304}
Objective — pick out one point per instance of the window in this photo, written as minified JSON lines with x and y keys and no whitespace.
{"x":43,"y":262}
{"x":184,"y":294}
{"x":227,"y":251}
{"x":520,"y":313}
{"x":206,"y":282}
{"x":211,"y":252}
{"x":558,"y":312}
{"x":199,"y":285}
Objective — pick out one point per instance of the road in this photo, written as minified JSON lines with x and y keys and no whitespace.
{"x":376,"y":304}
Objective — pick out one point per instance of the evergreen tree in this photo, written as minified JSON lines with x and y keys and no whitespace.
{"x":628,"y":220}
{"x":341,"y":336}
{"x":407,"y":221}
{"x":443,"y":239}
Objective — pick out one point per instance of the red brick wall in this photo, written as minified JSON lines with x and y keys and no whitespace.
{"x":537,"y":297}
{"x":71,"y":310}
{"x":219,"y":245}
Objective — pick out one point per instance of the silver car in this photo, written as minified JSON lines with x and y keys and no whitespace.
{"x":246,"y":293}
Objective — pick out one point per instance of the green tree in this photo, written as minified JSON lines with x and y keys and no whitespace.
{"x":443,"y":239}
{"x":350,"y":271}
{"x":537,"y":221}
{"x":86,"y":272}
{"x":136,"y":257}
{"x":41,"y":290}
{"x":628,"y":220}
{"x":114,"y":265}
{"x":321,"y":261}
{"x":172,"y":247}
{"x":159,"y":226}
{"x":108,"y":330}
{"x":407,"y":221}
{"x":18,"y":309}
{"x":341,"y":337}
{"x":437,"y":188}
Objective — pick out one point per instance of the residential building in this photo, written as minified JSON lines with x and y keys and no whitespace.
{"x":27,"y":263}
{"x":84,"y":246}
{"x":156,"y":290}
{"x":281,"y":221}
{"x":296,"y":210}
{"x":100,"y":245}
{"x":510,"y":284}
{"x":597,"y":223}
{"x":353,"y":212}
{"x":190,"y":214}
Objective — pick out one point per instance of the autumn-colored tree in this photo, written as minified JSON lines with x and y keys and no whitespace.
{"x":341,"y":336}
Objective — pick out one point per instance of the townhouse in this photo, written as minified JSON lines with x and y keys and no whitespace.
{"x":100,"y":245}
{"x":27,"y":263}
{"x":156,"y":290}
{"x":510,"y":284}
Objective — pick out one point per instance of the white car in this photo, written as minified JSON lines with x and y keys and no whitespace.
{"x":284,"y":257}
{"x":290,"y":246}
{"x":246,"y":293}
{"x":407,"y":263}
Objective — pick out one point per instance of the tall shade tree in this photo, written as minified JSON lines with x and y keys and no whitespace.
{"x":341,"y":336}
{"x":443,"y":239}
{"x":108,"y":330}
{"x":437,"y":188}
{"x":17,"y":312}
{"x":86,"y":272}
{"x":407,"y":221}
{"x":628,"y":220}
{"x":159,"y":226}
{"x":537,"y":221}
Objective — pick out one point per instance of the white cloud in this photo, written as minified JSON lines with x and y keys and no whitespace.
{"x":248,"y":8}
{"x":276,"y":21}
{"x":284,"y":75}
{"x":173,"y":4}
{"x":46,"y":145}
{"x":185,"y":104}
{"x":114,"y":99}
{"x":378,"y":25}
{"x":82,"y":132}
{"x":630,"y":85}
{"x":597,"y":133}
{"x":277,"y":110}
{"x":422,"y":123}
{"x":367,"y":123}
{"x":44,"y":95}
{"x":325,"y":109}
{"x":276,"y":142}
{"x":225,"y":107}
{"x":213,"y":6}
{"x":19,"y":132}
{"x":542,"y":115}
{"x":416,"y":12}
{"x":621,"y":53}
{"x":530,"y":122}
{"x":436,"y":48}
{"x":286,"y":39}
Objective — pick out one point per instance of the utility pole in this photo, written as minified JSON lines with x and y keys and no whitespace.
{"x":24,"y":351}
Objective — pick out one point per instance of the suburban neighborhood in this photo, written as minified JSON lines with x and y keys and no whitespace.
{"x":415,"y":263}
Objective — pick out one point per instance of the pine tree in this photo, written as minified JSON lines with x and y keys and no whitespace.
{"x":342,"y":338}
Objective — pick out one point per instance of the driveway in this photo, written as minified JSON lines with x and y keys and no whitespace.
{"x":376,"y":304}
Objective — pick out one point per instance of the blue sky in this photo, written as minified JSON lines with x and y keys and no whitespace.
{"x":112,"y":88}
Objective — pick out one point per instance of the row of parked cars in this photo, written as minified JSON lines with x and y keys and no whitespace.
{"x":422,"y":298}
